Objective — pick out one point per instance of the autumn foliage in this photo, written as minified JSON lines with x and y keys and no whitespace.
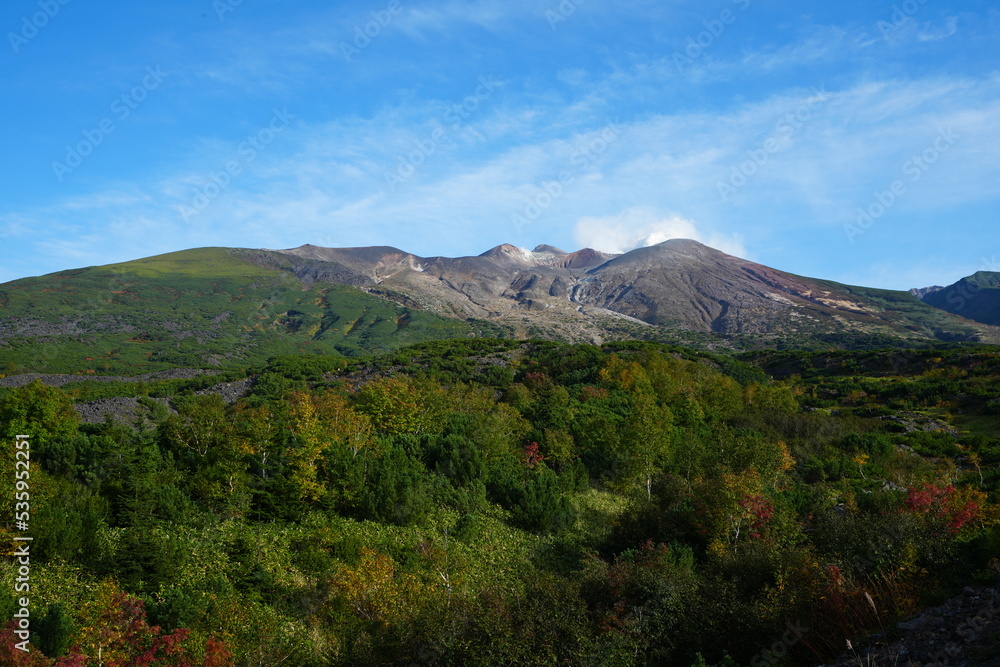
{"x":502,"y":502}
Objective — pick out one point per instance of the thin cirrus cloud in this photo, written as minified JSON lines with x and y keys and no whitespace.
{"x":766,"y":144}
{"x":935,"y":33}
{"x":318,"y":185}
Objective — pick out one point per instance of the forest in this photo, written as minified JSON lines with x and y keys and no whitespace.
{"x":496,"y":502}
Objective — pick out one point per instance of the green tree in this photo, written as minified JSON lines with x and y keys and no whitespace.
{"x":199,"y":425}
{"x":395,"y":490}
{"x":648,"y":440}
{"x":55,"y":630}
{"x":403,"y":405}
{"x":320,"y":422}
{"x":37,"y":410}
{"x":67,"y":520}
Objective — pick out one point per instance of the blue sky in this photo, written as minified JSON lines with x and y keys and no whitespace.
{"x":855,"y":141}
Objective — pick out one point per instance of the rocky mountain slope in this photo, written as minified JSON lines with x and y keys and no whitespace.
{"x":964,"y":630}
{"x":678,"y":283}
{"x":223,"y":306}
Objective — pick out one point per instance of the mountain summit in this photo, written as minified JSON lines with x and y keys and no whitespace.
{"x":228,"y":305}
{"x":679,"y":283}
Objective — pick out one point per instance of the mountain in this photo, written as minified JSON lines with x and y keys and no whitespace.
{"x":198,"y":308}
{"x":921,"y":292}
{"x":231,"y":306}
{"x":976,"y":297}
{"x":680,"y":284}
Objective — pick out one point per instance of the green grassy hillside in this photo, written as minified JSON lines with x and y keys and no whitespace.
{"x":197,"y":308}
{"x":976,"y":297}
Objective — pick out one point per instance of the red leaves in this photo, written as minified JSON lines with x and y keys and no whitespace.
{"x":924,"y":500}
{"x":531,"y":456}
{"x":114,"y":626}
{"x":836,"y":576}
{"x":955,"y":508}
{"x":119,"y":633}
{"x":10,"y":655}
{"x":760,"y":509}
{"x":535,"y":380}
{"x":589,"y":393}
{"x":963,"y":515}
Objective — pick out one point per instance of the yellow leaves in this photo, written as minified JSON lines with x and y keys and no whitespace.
{"x":860,"y":460}
{"x":622,"y":374}
{"x":111,"y":625}
{"x":558,"y":445}
{"x":771,"y":397}
{"x":255,"y":430}
{"x":724,"y":514}
{"x":320,"y":421}
{"x":200,"y":424}
{"x":399,"y":405}
{"x":675,"y":382}
{"x":787,"y":460}
{"x":376,"y":591}
{"x":784,"y":463}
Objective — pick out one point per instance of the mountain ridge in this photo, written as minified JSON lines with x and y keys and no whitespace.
{"x":679,"y":282}
{"x":976,"y":297}
{"x":217,"y":306}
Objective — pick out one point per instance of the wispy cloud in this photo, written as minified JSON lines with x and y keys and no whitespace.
{"x":640,"y":227}
{"x":447,"y":16}
{"x":932,"y":33}
{"x":822,"y":44}
{"x":773,"y":131}
{"x":326,"y":181}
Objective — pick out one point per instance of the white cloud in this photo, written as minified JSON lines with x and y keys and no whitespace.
{"x":933,"y":34}
{"x":445,"y":17}
{"x":640,"y":227}
{"x":325,"y":182}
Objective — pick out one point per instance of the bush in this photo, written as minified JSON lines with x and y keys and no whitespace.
{"x":874,"y":444}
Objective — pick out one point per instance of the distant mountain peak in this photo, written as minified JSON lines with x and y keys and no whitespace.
{"x":921,"y":292}
{"x":975,"y":297}
{"x":545,"y":248}
{"x":688,"y":246}
{"x":691,"y":243}
{"x":586,"y":258}
{"x":507,"y":253}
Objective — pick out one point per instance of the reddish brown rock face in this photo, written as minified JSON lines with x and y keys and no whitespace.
{"x":680,"y":284}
